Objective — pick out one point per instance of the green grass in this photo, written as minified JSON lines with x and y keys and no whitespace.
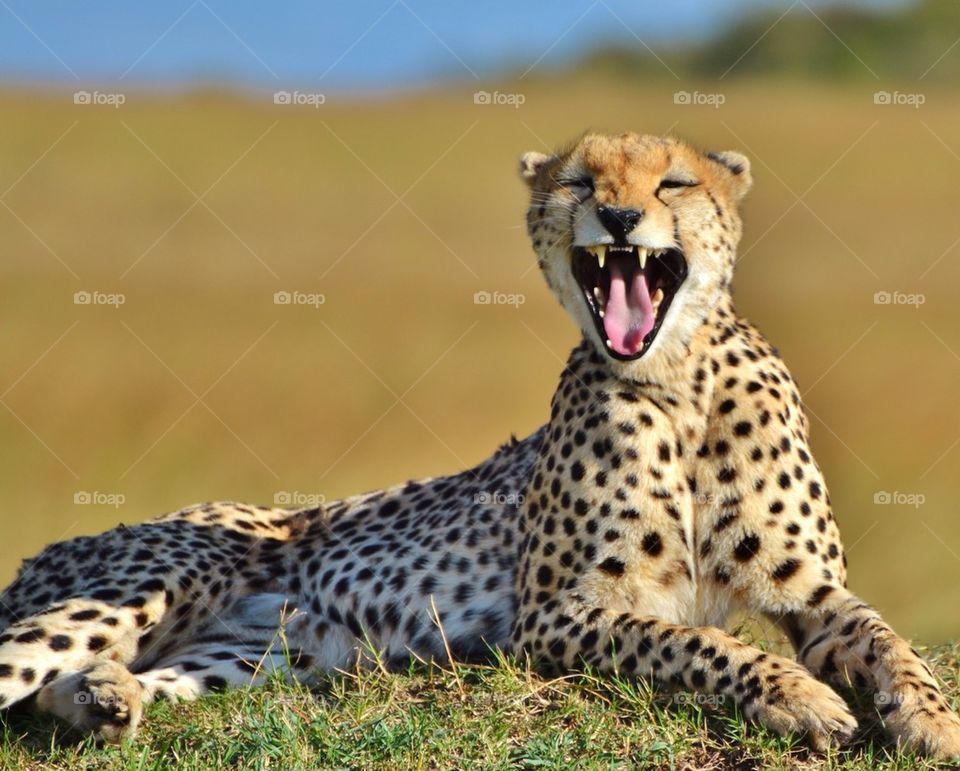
{"x":499,"y":716}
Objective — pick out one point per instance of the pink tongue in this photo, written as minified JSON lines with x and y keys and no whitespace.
{"x":628,"y":317}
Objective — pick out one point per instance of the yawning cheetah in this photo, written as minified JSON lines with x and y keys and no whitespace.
{"x":673,"y":484}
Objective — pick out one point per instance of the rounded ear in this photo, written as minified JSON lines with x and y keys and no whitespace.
{"x":530,"y":165}
{"x":739,"y":166}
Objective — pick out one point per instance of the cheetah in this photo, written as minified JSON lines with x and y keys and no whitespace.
{"x":675,"y":482}
{"x":672,"y":485}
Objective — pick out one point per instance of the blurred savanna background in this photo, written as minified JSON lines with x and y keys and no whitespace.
{"x":277,"y":255}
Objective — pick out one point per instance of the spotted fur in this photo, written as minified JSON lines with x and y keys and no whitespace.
{"x":665,"y":492}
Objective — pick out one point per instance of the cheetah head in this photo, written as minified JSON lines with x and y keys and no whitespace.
{"x":636,"y":235}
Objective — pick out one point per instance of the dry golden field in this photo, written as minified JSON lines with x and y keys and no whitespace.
{"x":197,"y":208}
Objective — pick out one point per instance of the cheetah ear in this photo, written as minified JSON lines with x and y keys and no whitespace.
{"x":739,"y":166}
{"x":530,"y":165}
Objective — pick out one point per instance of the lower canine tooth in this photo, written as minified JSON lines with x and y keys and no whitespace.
{"x":657,"y":297}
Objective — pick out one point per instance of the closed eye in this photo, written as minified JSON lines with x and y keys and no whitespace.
{"x":580,"y":187}
{"x":673,"y":183}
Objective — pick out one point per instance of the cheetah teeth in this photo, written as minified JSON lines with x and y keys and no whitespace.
{"x":656,"y":299}
{"x":599,"y":251}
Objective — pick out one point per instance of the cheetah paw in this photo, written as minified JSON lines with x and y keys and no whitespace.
{"x":798,"y":703}
{"x":921,"y":720}
{"x":105,"y":700}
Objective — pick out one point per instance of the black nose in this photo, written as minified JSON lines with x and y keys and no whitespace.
{"x":618,"y":222}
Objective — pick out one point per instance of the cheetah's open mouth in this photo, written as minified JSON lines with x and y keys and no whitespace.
{"x":628,"y":290}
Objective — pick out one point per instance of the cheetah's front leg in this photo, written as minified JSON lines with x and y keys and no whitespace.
{"x":770,"y":689}
{"x":771,"y":539}
{"x":843,"y":638}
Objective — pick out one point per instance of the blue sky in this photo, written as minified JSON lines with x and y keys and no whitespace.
{"x":359,"y":44}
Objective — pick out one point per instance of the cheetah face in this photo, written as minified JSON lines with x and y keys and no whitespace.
{"x":636,"y":235}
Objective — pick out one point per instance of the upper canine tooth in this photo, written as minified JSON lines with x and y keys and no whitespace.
{"x":601,"y":252}
{"x":642,"y":253}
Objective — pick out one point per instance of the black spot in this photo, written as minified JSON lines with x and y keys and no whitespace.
{"x":742,"y":428}
{"x":544,"y":575}
{"x":151,"y":585}
{"x":748,"y":548}
{"x":725,"y":521}
{"x":96,"y":643}
{"x":60,"y":642}
{"x":31,"y":636}
{"x":388,"y":508}
{"x":576,"y":471}
{"x":612,"y":566}
{"x":27,"y":675}
{"x":214,"y":683}
{"x":652,"y":544}
{"x":84,"y":615}
{"x":106,"y":595}
{"x":819,"y":595}
{"x":784,"y":570}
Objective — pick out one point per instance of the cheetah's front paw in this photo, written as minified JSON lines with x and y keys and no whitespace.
{"x":920,"y":719}
{"x":105,"y":699}
{"x":794,"y":702}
